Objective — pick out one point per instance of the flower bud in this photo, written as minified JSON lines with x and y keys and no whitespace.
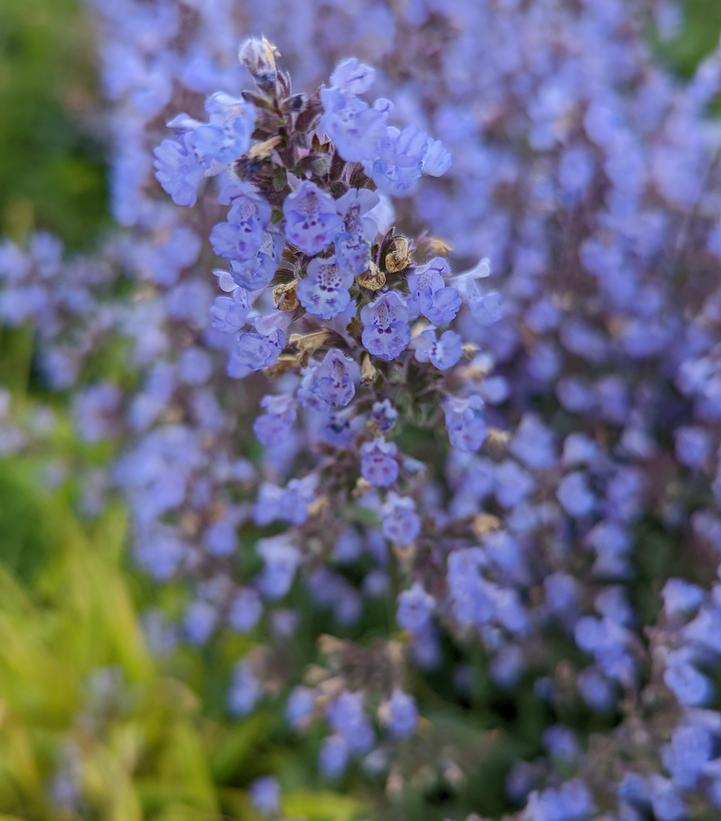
{"x":368,"y":370}
{"x":295,"y":104}
{"x":258,"y":56}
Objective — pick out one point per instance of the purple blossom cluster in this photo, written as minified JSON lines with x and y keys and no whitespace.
{"x":67,"y":302}
{"x":520,"y":459}
{"x":335,"y":307}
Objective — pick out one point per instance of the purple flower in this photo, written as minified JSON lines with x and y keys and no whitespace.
{"x":378,"y":462}
{"x":441,"y":307}
{"x":245,"y":690}
{"x":693,"y":446}
{"x":273,"y":428}
{"x":347,"y":718}
{"x":353,"y":244}
{"x":507,"y":666}
{"x":384,"y":415}
{"x":415,"y":607}
{"x":93,"y":410}
{"x":690,"y":749}
{"x":665,"y":800}
{"x":386,"y":333}
{"x":355,"y":128}
{"x":260,"y":270}
{"x":281,"y":559}
{"x":571,"y":802}
{"x":323,"y":291}
{"x":241,"y":237}
{"x":485,"y":306}
{"x":204,"y":141}
{"x":429,"y":295}
{"x":352,"y":76}
{"x":443,"y":352}
{"x":436,"y":160}
{"x":229,"y":313}
{"x":575,"y":496}
{"x":562,"y":594}
{"x":352,"y":253}
{"x":561,"y":743}
{"x":333,"y":381}
{"x":470,"y":593}
{"x":691,"y":688}
{"x":236,"y":118}
{"x":265,"y":795}
{"x":220,"y":536}
{"x":533,"y":443}
{"x":398,"y":163}
{"x":595,"y":689}
{"x":178,"y":171}
{"x":681,"y":597}
{"x":245,"y":610}
{"x":194,"y":366}
{"x":336,"y":427}
{"x":288,"y":504}
{"x":161,"y":552}
{"x":334,"y":756}
{"x":400,"y":714}
{"x":203,"y":149}
{"x":261,"y":347}
{"x":199,"y":622}
{"x":252,"y":352}
{"x":299,"y":707}
{"x":311,"y":221}
{"x":465,"y":422}
{"x":401,"y":523}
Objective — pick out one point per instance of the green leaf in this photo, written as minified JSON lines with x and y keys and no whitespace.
{"x":232,"y":747}
{"x":304,"y":805}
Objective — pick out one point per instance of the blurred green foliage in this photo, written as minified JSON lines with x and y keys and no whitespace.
{"x":698,"y":37}
{"x":88,"y":712}
{"x":24,"y":536}
{"x":51,"y":168}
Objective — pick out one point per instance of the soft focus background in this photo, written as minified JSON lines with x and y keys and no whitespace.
{"x":76,"y":672}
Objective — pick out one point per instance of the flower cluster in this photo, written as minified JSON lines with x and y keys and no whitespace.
{"x":327,"y":298}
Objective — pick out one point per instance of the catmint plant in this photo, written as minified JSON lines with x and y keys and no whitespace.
{"x":497,"y":480}
{"x":349,"y":320}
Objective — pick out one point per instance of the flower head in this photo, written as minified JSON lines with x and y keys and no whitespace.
{"x":311,"y":221}
{"x":378,"y":462}
{"x":333,"y":381}
{"x":323,"y":292}
{"x":465,"y":422}
{"x":386,"y":332}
